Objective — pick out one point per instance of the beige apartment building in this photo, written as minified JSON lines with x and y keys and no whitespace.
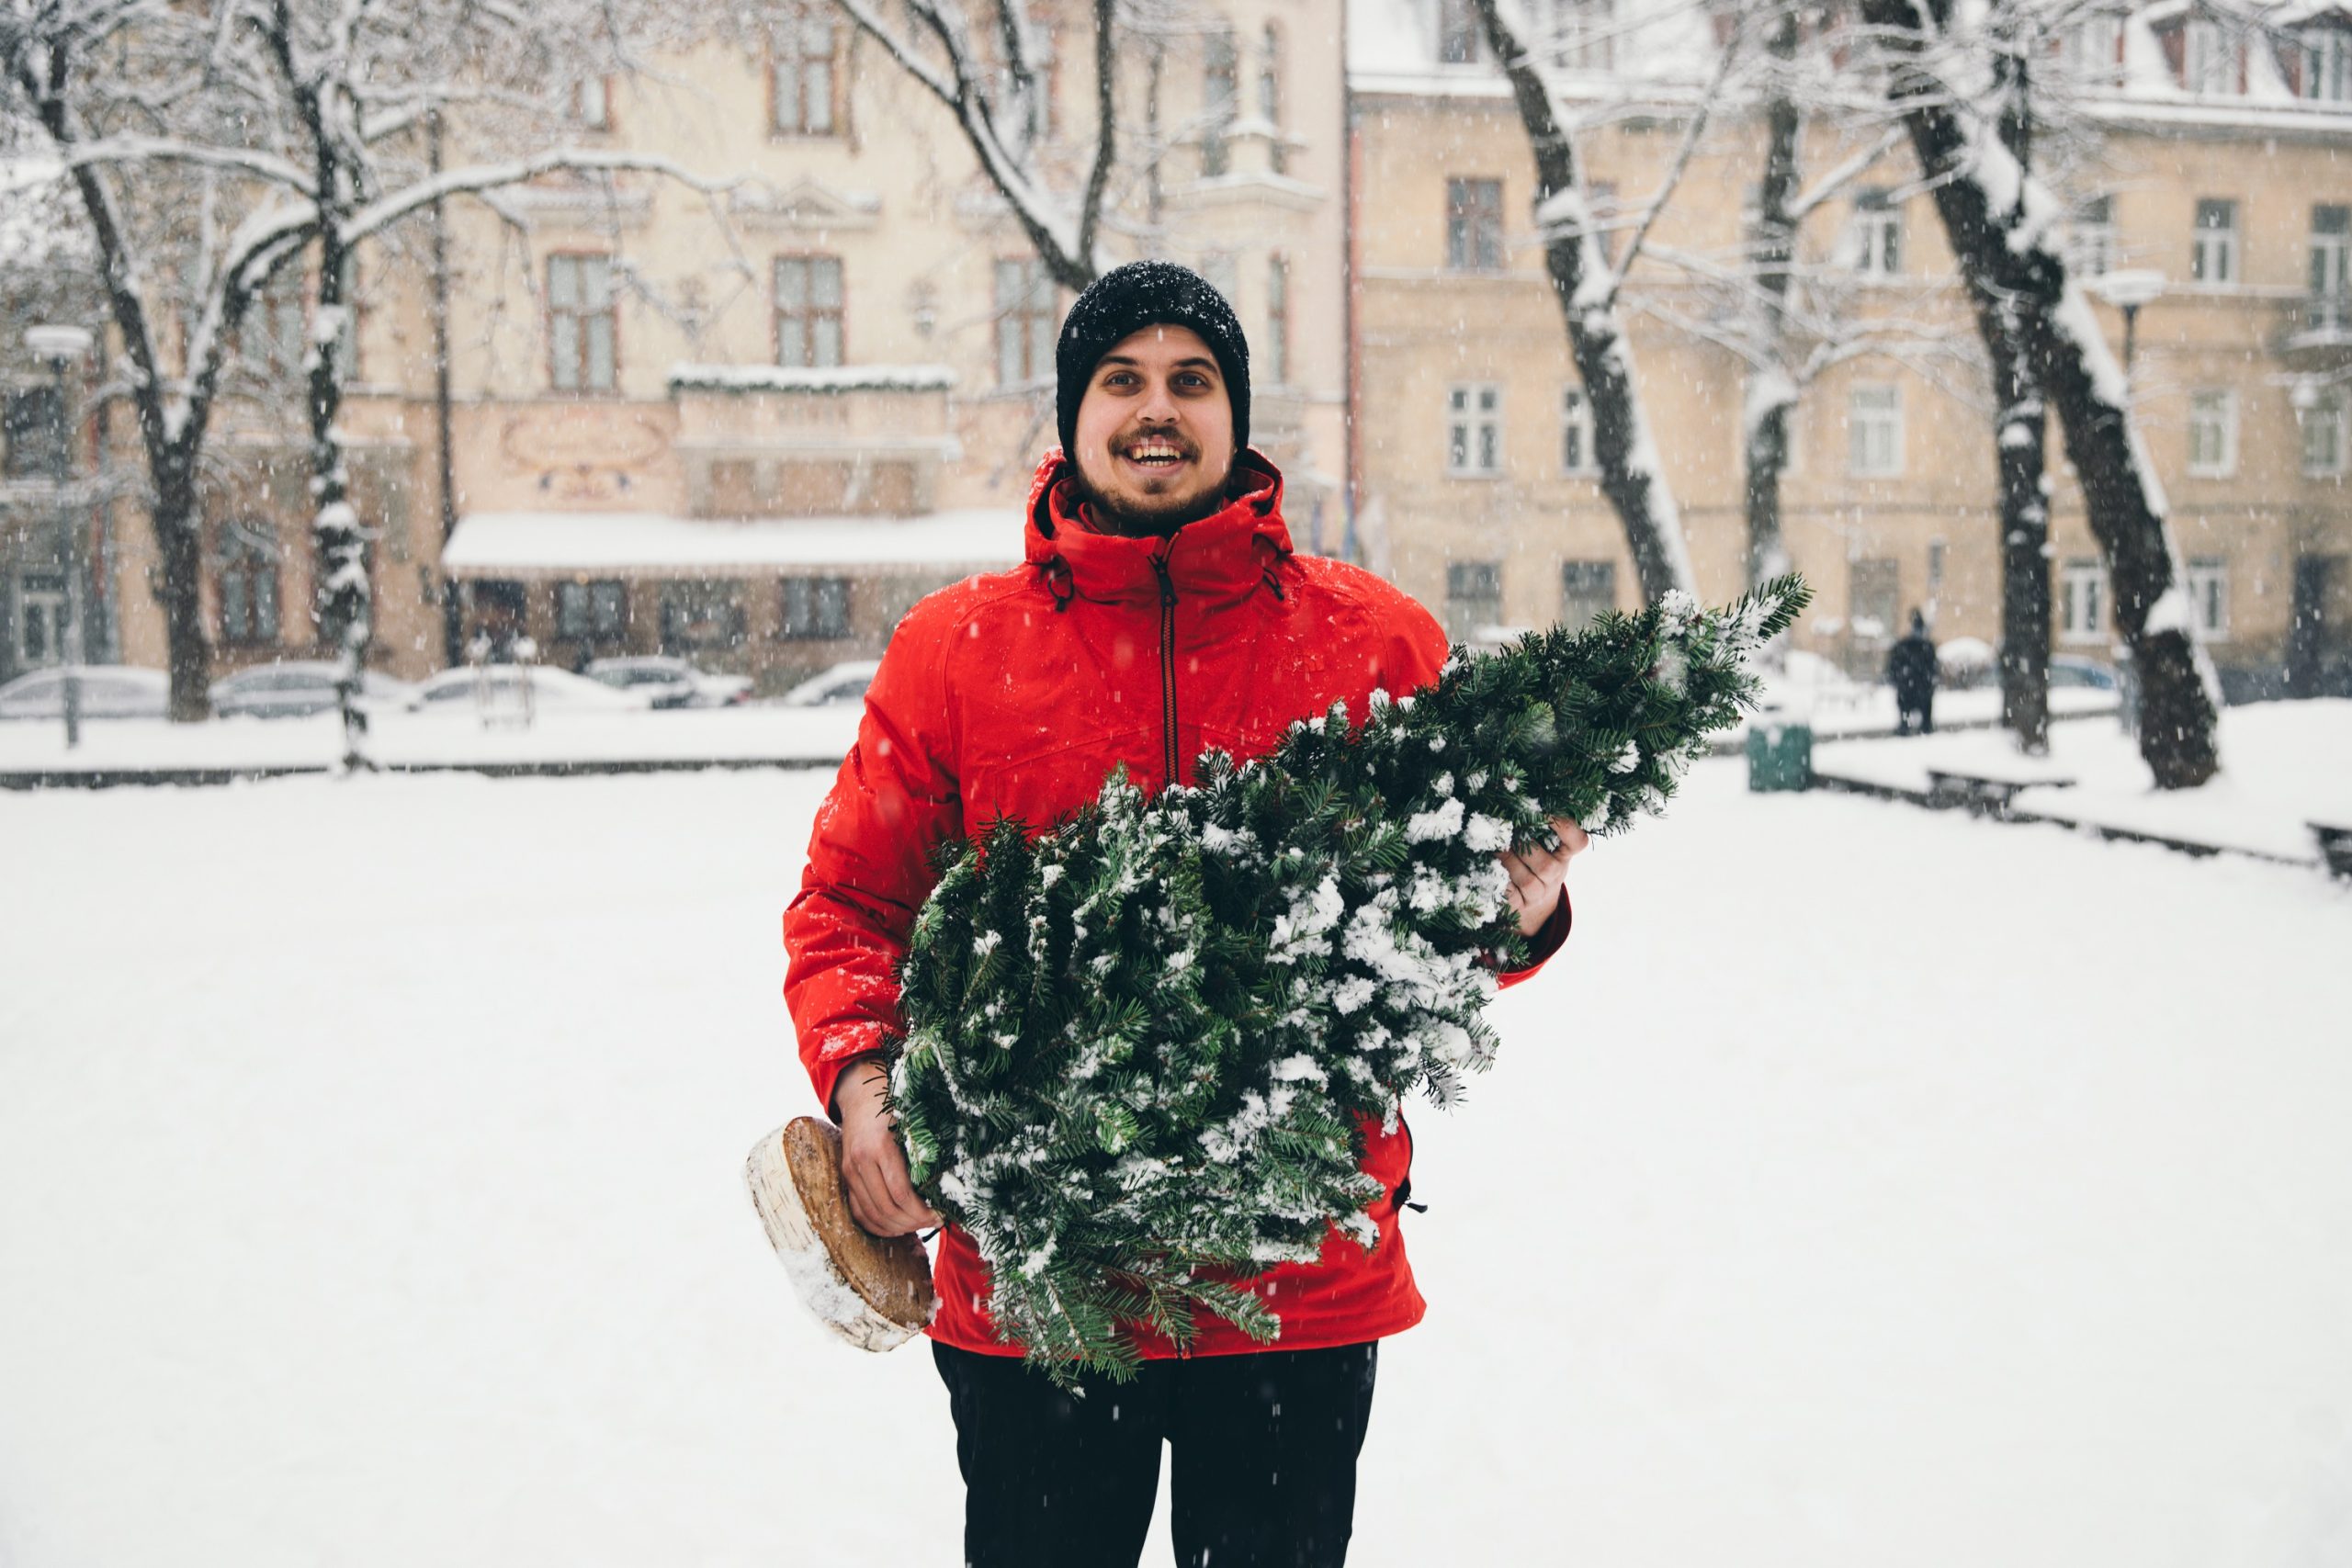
{"x":2221,"y":188}
{"x":752,"y":424}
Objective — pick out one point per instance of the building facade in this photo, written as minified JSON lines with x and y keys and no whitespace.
{"x":2224,"y":191}
{"x":751,"y":424}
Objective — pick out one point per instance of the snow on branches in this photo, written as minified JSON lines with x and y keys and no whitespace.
{"x":1141,"y":1048}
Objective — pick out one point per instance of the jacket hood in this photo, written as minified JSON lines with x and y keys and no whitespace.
{"x":1225,"y":555}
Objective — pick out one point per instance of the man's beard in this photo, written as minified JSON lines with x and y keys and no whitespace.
{"x":1111,"y":518}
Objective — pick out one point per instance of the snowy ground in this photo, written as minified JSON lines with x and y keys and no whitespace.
{"x":769,"y":734}
{"x":774,"y":734}
{"x":1801,"y":1226}
{"x":2283,"y":766}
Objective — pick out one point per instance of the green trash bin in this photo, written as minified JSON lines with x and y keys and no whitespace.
{"x":1779,"y":754}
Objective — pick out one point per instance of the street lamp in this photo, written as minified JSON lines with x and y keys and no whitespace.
{"x":61,"y":346}
{"x":2127,"y":291}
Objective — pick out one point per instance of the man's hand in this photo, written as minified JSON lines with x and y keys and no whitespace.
{"x":881,"y":1200}
{"x":1537,"y":876}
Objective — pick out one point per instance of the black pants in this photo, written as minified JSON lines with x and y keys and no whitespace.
{"x":1264,"y":1449}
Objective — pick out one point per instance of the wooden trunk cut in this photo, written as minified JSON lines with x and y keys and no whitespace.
{"x":873,"y":1291}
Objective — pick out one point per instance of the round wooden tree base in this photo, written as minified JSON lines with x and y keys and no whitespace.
{"x":875,"y":1293}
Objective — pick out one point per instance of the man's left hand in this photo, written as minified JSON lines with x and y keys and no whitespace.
{"x":1538,"y":875}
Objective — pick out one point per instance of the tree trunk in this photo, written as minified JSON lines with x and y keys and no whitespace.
{"x":1581,"y":282}
{"x":2060,"y":342}
{"x":1771,"y":393}
{"x":179,"y":546}
{"x":2021,"y":436}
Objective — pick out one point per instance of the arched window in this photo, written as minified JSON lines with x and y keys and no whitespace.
{"x":246,"y":579}
{"x":1220,"y":100}
{"x":1270,"y":95}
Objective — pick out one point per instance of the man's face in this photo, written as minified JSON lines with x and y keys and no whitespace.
{"x":1155,"y":431}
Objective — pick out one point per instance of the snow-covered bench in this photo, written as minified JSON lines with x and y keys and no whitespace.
{"x":1987,"y":793}
{"x":2334,"y":846}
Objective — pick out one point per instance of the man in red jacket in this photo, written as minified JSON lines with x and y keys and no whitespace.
{"x":1159,"y":612}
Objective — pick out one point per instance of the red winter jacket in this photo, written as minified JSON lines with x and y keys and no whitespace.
{"x":1014,"y":693}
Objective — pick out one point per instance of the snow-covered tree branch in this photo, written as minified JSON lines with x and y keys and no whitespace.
{"x":1585,"y":284}
{"x":997,"y":104}
{"x":2001,"y":223}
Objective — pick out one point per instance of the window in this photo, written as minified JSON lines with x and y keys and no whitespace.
{"x":346,"y":340}
{"x":2093,"y":49}
{"x":1277,"y":320}
{"x":35,"y":429}
{"x":40,"y":618}
{"x":1220,"y":65}
{"x":1473,"y":430}
{"x":1874,"y":425}
{"x":807,"y":311}
{"x":2323,"y":431}
{"x":2093,"y":250}
{"x":1877,"y":237}
{"x":273,"y":336}
{"x":1024,"y":321}
{"x":815,"y":607}
{"x":591,"y":103}
{"x":800,"y":74}
{"x":246,"y":578}
{"x":580,"y":323}
{"x":1474,"y":598}
{"x":1460,"y":38}
{"x":2082,"y":602}
{"x":2213,"y":251}
{"x":1586,"y":589}
{"x":2212,"y":58}
{"x":2330,"y":303}
{"x":2209,"y":599}
{"x":594,"y":612}
{"x":1584,"y":34}
{"x":2327,"y":65}
{"x":701,"y":615}
{"x":2212,"y":433}
{"x":1473,"y":225}
{"x":1270,"y":95}
{"x":1575,"y":434}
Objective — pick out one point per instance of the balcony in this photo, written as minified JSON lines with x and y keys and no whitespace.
{"x":762,"y":440}
{"x":2318,"y":329}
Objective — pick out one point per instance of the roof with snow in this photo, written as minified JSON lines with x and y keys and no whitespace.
{"x":643,"y":543}
{"x":1665,"y":50}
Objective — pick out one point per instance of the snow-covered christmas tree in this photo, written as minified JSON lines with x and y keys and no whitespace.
{"x":1138,"y":1046}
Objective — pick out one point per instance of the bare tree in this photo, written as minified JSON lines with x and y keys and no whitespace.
{"x":1587,"y":287}
{"x":211,"y":145}
{"x":991,"y":81}
{"x":1999,"y":219}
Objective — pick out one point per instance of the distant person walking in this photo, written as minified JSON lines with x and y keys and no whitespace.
{"x":1911,"y":671}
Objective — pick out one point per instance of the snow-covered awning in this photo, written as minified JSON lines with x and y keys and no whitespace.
{"x":565,"y":543}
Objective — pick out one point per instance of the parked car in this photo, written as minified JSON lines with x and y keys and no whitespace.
{"x":298,"y":688}
{"x":2073,"y":669}
{"x":108,"y":691}
{"x":841,"y":684}
{"x":671,"y":683}
{"x":503,"y":685}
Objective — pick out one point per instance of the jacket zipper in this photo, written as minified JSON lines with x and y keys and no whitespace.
{"x":1167,"y":663}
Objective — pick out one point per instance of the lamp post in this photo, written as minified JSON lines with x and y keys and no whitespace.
{"x":59,"y":346}
{"x":2127,"y":291}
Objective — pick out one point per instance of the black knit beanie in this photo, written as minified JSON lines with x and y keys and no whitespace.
{"x":1144,"y":294}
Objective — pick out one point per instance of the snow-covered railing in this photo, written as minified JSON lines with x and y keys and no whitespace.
{"x":835,"y":379}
